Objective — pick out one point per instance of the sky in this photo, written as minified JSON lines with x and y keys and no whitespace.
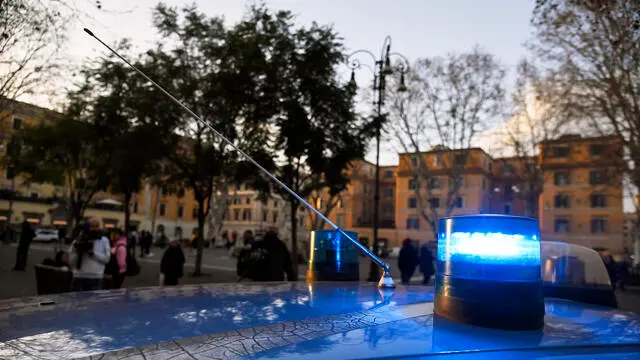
{"x":418,"y":28}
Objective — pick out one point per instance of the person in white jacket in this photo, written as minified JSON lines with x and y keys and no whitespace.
{"x":89,"y":255}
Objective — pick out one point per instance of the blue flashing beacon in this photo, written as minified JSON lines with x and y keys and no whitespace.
{"x":488,"y":272}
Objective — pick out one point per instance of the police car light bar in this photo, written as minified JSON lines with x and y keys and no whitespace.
{"x":385,"y":282}
{"x":488,"y":272}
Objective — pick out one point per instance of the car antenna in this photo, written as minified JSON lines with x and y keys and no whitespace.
{"x":385,"y":281}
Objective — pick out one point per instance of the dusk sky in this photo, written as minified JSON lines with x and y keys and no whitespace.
{"x":418,"y":28}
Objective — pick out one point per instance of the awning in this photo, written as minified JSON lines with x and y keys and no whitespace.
{"x":109,"y":202}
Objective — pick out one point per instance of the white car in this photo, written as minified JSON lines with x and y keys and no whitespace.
{"x":46,"y":235}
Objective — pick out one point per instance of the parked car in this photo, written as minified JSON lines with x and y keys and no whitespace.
{"x":46,"y":235}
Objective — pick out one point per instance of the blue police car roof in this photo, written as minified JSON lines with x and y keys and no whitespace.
{"x":294,"y":320}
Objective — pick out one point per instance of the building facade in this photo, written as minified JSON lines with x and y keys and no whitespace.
{"x":577,"y":192}
{"x":582,"y":198}
{"x":173,"y":215}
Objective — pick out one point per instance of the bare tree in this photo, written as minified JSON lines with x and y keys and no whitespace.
{"x":532,"y":119}
{"x":448,"y":103}
{"x":591,"y":50}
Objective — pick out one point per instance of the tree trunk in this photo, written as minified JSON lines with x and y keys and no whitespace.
{"x":293,"y":204}
{"x":200,"y":239}
{"x":127,"y":211}
{"x":154,"y":212}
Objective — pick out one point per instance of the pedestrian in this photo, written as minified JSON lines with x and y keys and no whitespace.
{"x":172,"y":264}
{"x":148,"y":241}
{"x":426,"y":263}
{"x":612,"y":268}
{"x":117,"y":266}
{"x":407,"y":261}
{"x":269,"y":260}
{"x":132,"y":241}
{"x":247,"y":238}
{"x":89,"y":256}
{"x":26,"y":237}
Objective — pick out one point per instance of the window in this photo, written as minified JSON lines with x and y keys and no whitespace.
{"x":562,"y":178}
{"x":434,"y":183}
{"x":562,"y":225}
{"x":236,"y":201}
{"x":413,"y":203}
{"x":414,"y":161}
{"x":162,"y":209}
{"x":301,"y":221}
{"x":560,"y":152}
{"x":597,"y":177}
{"x":460,"y":160}
{"x":387,"y":209}
{"x":275,"y":217}
{"x":598,"y":200}
{"x":265,"y":215}
{"x":194,"y":213}
{"x":319,"y":203}
{"x":180,"y":211}
{"x":596,"y":150}
{"x":340,"y":220}
{"x":598,"y":225}
{"x":413,"y":223}
{"x":18,"y":123}
{"x":134,"y":207}
{"x":275,"y":203}
{"x":562,"y":201}
{"x":181,"y":192}
{"x":437,"y":160}
{"x":248,"y":201}
{"x":340,"y":203}
{"x":366,"y":188}
{"x":459,"y":179}
{"x":413,"y":184}
{"x":388,"y":174}
{"x":507,"y":209}
{"x":246,"y":215}
{"x":236,"y":214}
{"x":508,"y":169}
{"x":459,"y":202}
{"x":434,"y":202}
{"x":388,"y":192}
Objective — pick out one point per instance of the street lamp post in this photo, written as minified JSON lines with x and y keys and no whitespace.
{"x":381,"y":69}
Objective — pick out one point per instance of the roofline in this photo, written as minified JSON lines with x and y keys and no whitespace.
{"x":444,"y":151}
{"x":580,"y":139}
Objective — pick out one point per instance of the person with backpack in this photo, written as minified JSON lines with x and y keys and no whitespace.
{"x":117,"y":266}
{"x":268,"y":260}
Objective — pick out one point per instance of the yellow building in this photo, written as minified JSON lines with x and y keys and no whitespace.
{"x":152,"y":209}
{"x":581,"y":201}
{"x":473,"y":197}
{"x":582,"y":198}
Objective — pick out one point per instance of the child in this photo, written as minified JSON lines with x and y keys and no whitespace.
{"x":172,"y":264}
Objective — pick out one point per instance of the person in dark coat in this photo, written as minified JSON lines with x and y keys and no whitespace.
{"x":426,"y":264}
{"x":269,"y":260}
{"x":26,"y":237}
{"x":407,"y":261}
{"x":172,"y":264}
